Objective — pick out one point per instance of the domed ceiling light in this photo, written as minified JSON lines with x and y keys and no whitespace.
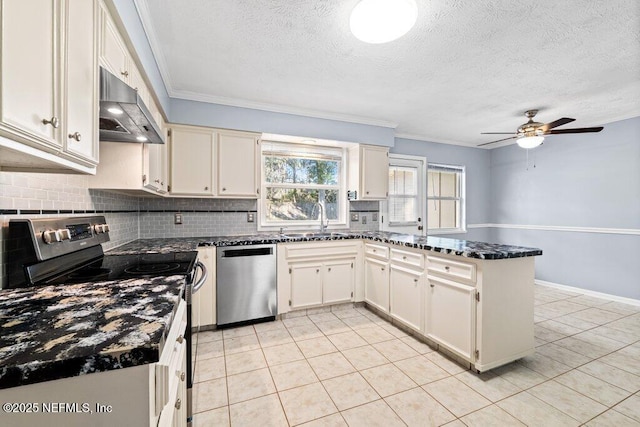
{"x":381,"y":21}
{"x":530,"y":141}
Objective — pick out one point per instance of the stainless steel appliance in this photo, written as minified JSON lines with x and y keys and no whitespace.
{"x":245,"y":283}
{"x":48,"y":251}
{"x":123,"y":115}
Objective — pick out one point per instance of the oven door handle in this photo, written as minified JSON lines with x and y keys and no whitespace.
{"x":203,"y":278}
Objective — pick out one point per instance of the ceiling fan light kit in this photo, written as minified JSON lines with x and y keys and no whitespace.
{"x":531,"y":134}
{"x":382,"y":21}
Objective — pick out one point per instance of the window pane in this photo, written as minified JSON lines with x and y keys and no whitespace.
{"x":448,"y":184}
{"x":433,"y":214}
{"x":403,"y":209}
{"x":403,"y":180}
{"x":293,"y":170}
{"x":433,"y":184}
{"x":294,"y":204}
{"x":448,"y":214}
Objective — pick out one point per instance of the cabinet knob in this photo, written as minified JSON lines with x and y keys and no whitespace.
{"x":125,"y":73}
{"x":206,"y":188}
{"x":157,"y":181}
{"x":161,"y":182}
{"x":182,"y":375}
{"x":415,"y":280}
{"x":404,"y":258}
{"x":367,"y":192}
{"x":180,"y":339}
{"x":329,"y":269}
{"x":432,"y":285}
{"x":224,"y":189}
{"x":178,"y":403}
{"x":382,"y":268}
{"x":77,"y":136}
{"x":446,"y":267}
{"x":317,"y":270}
{"x":53,"y":121}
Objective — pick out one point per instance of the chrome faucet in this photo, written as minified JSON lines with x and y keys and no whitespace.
{"x":323,"y":216}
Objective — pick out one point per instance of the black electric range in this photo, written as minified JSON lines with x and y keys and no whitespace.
{"x":59,"y":251}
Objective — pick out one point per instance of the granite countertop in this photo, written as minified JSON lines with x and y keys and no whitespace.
{"x":60,"y":331}
{"x":464,"y":248}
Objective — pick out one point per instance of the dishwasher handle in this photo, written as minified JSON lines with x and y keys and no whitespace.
{"x":246,"y":252}
{"x":203,"y":278}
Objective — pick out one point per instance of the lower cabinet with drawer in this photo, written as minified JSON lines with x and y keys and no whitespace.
{"x":313,"y":274}
{"x":406,"y":287}
{"x":480,"y":310}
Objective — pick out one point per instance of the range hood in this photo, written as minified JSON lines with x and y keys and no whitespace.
{"x":123,"y":115}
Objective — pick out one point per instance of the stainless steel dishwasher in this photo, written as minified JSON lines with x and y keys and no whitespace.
{"x":245,"y":283}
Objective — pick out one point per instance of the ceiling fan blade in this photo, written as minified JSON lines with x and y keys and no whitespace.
{"x":575,"y":130}
{"x":556,"y":123}
{"x":496,"y":133}
{"x":493,"y":142}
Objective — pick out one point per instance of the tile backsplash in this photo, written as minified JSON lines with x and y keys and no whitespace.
{"x":132,"y":217}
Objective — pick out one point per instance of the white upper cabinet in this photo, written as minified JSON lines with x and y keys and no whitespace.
{"x":80,"y":132}
{"x":238,"y":164}
{"x":209,"y":162}
{"x":48,"y":86}
{"x":114,"y":55}
{"x":191,"y":160}
{"x":369,"y":172}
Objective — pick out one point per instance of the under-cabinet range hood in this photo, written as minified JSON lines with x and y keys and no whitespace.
{"x":123,"y":115}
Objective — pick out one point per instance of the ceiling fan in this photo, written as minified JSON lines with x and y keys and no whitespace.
{"x":531,"y":134}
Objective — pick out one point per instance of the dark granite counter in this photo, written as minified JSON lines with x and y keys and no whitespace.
{"x":464,"y":248}
{"x":61,"y":331}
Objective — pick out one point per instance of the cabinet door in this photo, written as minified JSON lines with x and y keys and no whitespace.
{"x":29,"y":71}
{"x":203,"y":306}
{"x":338,"y":281}
{"x":374,"y":173}
{"x":306,"y":285}
{"x":155,"y":167}
{"x":450,"y":315}
{"x":376,"y":286}
{"x":405,"y":289}
{"x":237,"y":162}
{"x":80,"y":133}
{"x":192,"y":161}
{"x":113,"y":52}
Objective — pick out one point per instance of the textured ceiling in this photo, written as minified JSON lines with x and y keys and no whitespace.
{"x":466,"y":67}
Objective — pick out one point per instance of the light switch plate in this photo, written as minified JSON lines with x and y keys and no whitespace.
{"x":177,"y":219}
{"x":374,"y":216}
{"x":355,"y":217}
{"x":251,"y":217}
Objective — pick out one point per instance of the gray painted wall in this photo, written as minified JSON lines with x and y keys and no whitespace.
{"x":585,"y":180}
{"x":224,"y":116}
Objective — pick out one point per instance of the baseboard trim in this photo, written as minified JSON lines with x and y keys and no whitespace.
{"x":624,"y":300}
{"x":597,"y":230}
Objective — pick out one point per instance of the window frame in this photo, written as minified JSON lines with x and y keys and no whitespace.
{"x":461,"y":170}
{"x":291,"y":148}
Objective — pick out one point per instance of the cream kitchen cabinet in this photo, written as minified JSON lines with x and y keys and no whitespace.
{"x":204,"y":301}
{"x":131,"y":168}
{"x":49,"y":85}
{"x":191,"y":160}
{"x":376,"y":276}
{"x":312,"y":274}
{"x":406,"y":286}
{"x":369,"y":172}
{"x":114,"y":55}
{"x":209,"y":162}
{"x":450,"y":316}
{"x":237,"y":164}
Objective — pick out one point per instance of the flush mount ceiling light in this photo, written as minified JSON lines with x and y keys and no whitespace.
{"x":381,"y":21}
{"x":530,"y":141}
{"x":114,"y":110}
{"x":141,"y":138}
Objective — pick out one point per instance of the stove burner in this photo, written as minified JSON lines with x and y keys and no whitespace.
{"x":152,"y":268}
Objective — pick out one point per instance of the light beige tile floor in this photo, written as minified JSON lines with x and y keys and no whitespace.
{"x":348,"y":367}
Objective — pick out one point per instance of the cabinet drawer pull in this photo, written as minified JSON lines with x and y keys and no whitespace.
{"x":77,"y":136}
{"x":178,"y":403}
{"x":53,"y":122}
{"x":180,"y":339}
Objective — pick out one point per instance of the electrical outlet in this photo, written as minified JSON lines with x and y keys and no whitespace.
{"x":251,"y":217}
{"x":177,"y":219}
{"x":364,"y":219}
{"x":374,"y":216}
{"x":355,"y":217}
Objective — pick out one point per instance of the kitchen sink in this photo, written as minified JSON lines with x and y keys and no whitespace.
{"x":315,"y":234}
